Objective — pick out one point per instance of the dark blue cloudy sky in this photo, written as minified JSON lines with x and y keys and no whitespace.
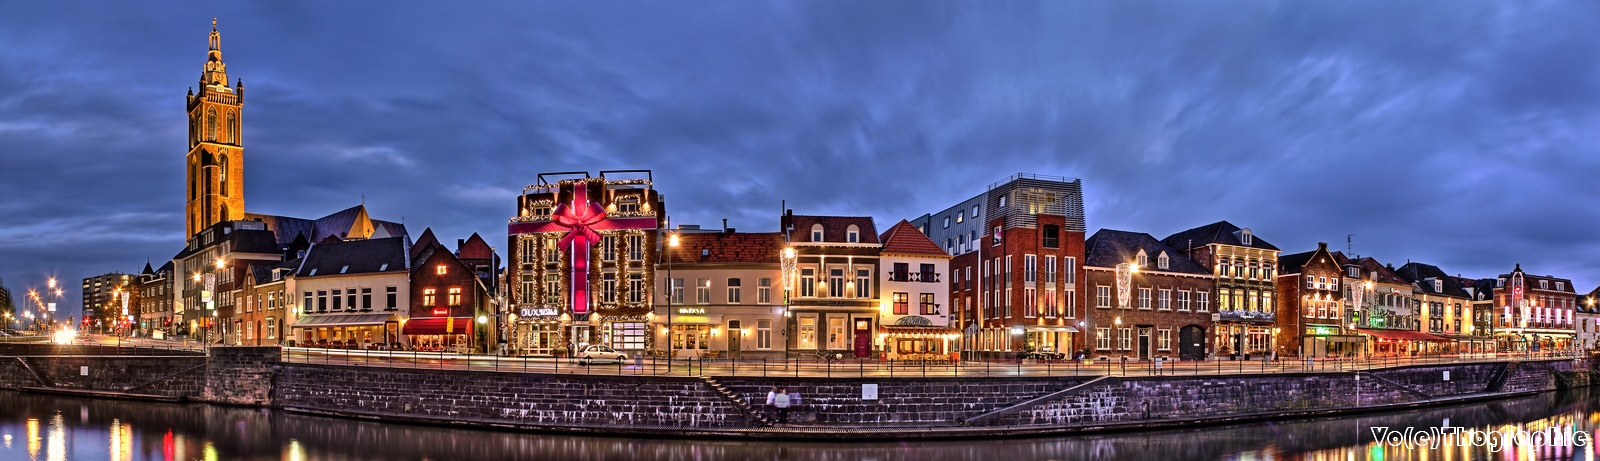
{"x":1462,"y":134}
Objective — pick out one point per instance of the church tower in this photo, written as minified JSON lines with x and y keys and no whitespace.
{"x":215,"y":164}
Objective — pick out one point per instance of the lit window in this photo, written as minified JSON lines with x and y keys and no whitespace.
{"x":428,"y":296}
{"x":455,"y":296}
{"x":440,"y":270}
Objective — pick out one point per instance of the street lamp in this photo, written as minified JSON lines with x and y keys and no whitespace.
{"x":672,"y":245}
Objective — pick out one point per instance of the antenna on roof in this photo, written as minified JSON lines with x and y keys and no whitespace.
{"x":1348,"y":245}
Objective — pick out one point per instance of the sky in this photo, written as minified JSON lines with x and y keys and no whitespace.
{"x":1461,"y":134}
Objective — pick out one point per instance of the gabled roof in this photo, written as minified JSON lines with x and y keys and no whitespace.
{"x":1418,"y":274}
{"x":475,"y":248}
{"x":834,"y":228}
{"x":1220,"y":232}
{"x":1532,"y":281}
{"x":426,"y":240}
{"x":727,"y":247}
{"x":355,"y":257}
{"x":1370,"y":265}
{"x":349,"y":223}
{"x":147,"y":269}
{"x":1107,"y":248}
{"x":1295,"y":263}
{"x":904,"y":238}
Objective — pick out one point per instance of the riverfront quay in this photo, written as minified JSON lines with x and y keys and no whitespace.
{"x":728,"y":407}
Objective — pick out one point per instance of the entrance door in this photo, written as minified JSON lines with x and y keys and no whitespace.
{"x":1191,"y":343}
{"x":1144,"y":344}
{"x":863,"y":337}
{"x":735,"y":337}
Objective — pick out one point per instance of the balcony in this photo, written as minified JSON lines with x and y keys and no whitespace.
{"x":927,"y":277}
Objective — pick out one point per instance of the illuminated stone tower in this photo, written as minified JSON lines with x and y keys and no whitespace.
{"x":215,"y":164}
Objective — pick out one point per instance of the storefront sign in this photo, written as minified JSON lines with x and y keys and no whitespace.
{"x":1323,"y":331}
{"x":692,"y":310}
{"x":537,"y":312}
{"x":441,"y":312}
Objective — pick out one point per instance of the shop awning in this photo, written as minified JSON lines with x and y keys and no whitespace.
{"x":1401,"y":335}
{"x":918,"y":330}
{"x":1065,"y":328}
{"x":341,"y":320}
{"x":436,"y":326}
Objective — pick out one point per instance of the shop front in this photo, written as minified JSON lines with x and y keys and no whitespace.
{"x":1050,"y":339}
{"x":1401,"y":343}
{"x":536,"y":331}
{"x":1254,"y":340}
{"x":690,"y":333}
{"x":918,"y":343}
{"x":1531,"y":341}
{"x":440,"y":334}
{"x":1330,"y":341}
{"x":348,"y":331}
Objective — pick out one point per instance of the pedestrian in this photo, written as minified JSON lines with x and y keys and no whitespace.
{"x":781,"y":401}
{"x":771,"y":394}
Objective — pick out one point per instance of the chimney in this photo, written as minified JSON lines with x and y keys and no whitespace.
{"x":724,"y":225}
{"x":1323,"y":246}
{"x":460,"y":243}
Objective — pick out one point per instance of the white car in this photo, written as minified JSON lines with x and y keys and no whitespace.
{"x":599,"y":353}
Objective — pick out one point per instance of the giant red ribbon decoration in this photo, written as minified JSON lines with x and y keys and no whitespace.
{"x":580,"y":220}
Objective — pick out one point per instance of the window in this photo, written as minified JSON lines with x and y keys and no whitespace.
{"x":1125,"y":339}
{"x":338,"y":300}
{"x":702,"y":291}
{"x":322,"y":301}
{"x":1050,"y":303}
{"x":807,"y":332}
{"x":1030,"y":302}
{"x":764,"y":333}
{"x":852,"y":234}
{"x":1164,"y":300}
{"x":1102,"y":338}
{"x":1003,"y":201}
{"x":1164,"y":339}
{"x":927,"y":273}
{"x":808,"y":282}
{"x":272,"y":328}
{"x":902,"y":303}
{"x":975,"y":211}
{"x":764,"y":290}
{"x":1183,"y":301}
{"x":1029,"y":268}
{"x":1051,"y":234}
{"x":455,"y":296}
{"x":836,"y":283}
{"x":1162,"y":262}
{"x":1069,"y":264}
{"x":1102,"y":296}
{"x":440,"y":269}
{"x":733,"y":291}
{"x":1049,"y":269}
{"x":1072,"y":303}
{"x":1311,"y":282}
{"x":366,"y":299}
{"x":676,"y":291}
{"x":428,"y":296}
{"x":836,"y":333}
{"x":1202,"y":301}
{"x":1322,"y":283}
{"x":1008,"y":303}
{"x":996,"y":236}
{"x":551,"y":253}
{"x":608,"y":247}
{"x":1142,"y":259}
{"x":1008,"y":269}
{"x":636,"y":247}
{"x":636,"y":292}
{"x":863,"y":283}
{"x":608,"y":288}
{"x":816,"y":232}
{"x":1144,"y":298}
{"x":393,"y":294}
{"x":946,"y":222}
{"x":1544,"y":284}
{"x":1245,"y":237}
{"x":1354,"y":271}
{"x":1560,"y":286}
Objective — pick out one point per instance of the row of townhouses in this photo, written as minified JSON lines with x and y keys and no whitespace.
{"x":593,"y":259}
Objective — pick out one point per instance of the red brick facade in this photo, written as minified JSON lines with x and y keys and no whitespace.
{"x":982,"y":296}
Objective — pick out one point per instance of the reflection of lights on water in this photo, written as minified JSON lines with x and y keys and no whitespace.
{"x":57,"y":444}
{"x":8,"y":441}
{"x":121,"y":441}
{"x":211,"y":452}
{"x":33,"y":438}
{"x":296,"y":451}
{"x":166,"y":446}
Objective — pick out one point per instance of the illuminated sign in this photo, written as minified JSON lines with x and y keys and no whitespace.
{"x":692,"y":310}
{"x":1323,"y":331}
{"x":537,"y":312}
{"x":441,"y":312}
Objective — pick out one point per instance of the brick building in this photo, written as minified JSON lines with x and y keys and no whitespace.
{"x":155,"y":300}
{"x":1446,"y":309}
{"x":1246,"y":289}
{"x":447,"y":297}
{"x":1154,"y":312}
{"x":835,"y":303}
{"x":1535,"y":312}
{"x":1014,"y":278}
{"x":1312,"y":316}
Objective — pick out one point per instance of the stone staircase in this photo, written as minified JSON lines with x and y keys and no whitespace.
{"x":757,"y":418}
{"x":1499,"y":380}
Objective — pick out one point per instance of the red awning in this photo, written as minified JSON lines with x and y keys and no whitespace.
{"x":1402,"y":335}
{"x":436,"y":326}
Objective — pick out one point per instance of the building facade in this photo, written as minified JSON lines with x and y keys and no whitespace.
{"x":1588,"y":321}
{"x":1145,"y":299}
{"x":155,"y":301}
{"x":1446,"y":309}
{"x":353,"y":294}
{"x":916,"y":314}
{"x":101,"y":298}
{"x":835,"y":299}
{"x":1535,"y":312}
{"x":583,"y":253}
{"x":1245,"y":268}
{"x":1312,"y":317}
{"x":265,"y":308}
{"x":447,"y":299}
{"x":215,"y":162}
{"x":724,"y":296}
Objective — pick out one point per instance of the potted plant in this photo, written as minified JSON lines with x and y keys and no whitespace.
{"x":1225,"y":351}
{"x":559,"y":351}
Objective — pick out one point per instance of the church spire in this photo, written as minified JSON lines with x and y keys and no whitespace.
{"x":216,"y":72}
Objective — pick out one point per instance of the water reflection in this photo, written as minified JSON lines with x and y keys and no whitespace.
{"x":118,"y":430}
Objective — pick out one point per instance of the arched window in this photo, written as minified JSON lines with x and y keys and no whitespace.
{"x":816,"y":232}
{"x":233,"y":127}
{"x":211,"y":124}
{"x":224,"y":215}
{"x":194,"y":181}
{"x":852,"y":234}
{"x":222,"y":174}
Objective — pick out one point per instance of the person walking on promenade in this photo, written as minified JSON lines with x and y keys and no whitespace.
{"x":771,"y":394}
{"x":781,"y":401}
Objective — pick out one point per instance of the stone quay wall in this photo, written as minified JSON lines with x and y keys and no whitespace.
{"x":729,"y":406}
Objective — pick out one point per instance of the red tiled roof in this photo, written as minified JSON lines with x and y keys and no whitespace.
{"x":904,"y":238}
{"x":730,"y":247}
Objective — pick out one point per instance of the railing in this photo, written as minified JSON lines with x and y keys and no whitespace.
{"x":863,"y":367}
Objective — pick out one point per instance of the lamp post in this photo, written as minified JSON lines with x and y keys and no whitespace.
{"x":672,"y":245}
{"x":787,"y":264}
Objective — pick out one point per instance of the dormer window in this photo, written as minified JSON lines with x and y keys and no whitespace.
{"x":1501,"y":283}
{"x":1355,"y":272}
{"x":1561,"y":286}
{"x":852,"y":234}
{"x":1245,"y":237}
{"x":816,"y":232}
{"x":1162,"y":261}
{"x":1438,"y":286}
{"x":1142,"y":259}
{"x":1544,"y":284}
{"x":961,"y":216}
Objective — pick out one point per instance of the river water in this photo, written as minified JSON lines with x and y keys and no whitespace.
{"x":40,"y":427}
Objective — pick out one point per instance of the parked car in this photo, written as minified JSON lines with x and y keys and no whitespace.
{"x":599,"y":353}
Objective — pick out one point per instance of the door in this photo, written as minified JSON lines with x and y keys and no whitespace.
{"x":863,"y":337}
{"x":1144,"y":344}
{"x":735,"y":338}
{"x":1191,"y":343}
